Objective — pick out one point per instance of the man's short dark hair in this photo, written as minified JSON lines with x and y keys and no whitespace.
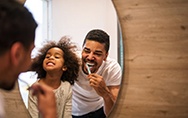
{"x":99,"y":36}
{"x":16,"y":25}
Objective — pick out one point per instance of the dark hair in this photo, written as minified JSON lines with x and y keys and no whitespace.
{"x":16,"y":25}
{"x":99,"y":36}
{"x":70,"y":57}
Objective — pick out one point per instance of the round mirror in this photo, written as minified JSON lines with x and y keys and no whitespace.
{"x":57,"y":18}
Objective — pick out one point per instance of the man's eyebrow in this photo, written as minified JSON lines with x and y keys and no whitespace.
{"x":86,"y":48}
{"x":98,"y":51}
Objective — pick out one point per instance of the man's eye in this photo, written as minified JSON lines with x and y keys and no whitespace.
{"x":98,"y":54}
{"x":86,"y":50}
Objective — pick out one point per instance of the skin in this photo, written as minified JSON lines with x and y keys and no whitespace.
{"x":94,"y":53}
{"x":17,"y":60}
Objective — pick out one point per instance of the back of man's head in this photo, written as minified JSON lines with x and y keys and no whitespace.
{"x":16,"y":25}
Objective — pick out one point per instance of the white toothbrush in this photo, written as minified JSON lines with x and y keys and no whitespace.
{"x":88,"y":69}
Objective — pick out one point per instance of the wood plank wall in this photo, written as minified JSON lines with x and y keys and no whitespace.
{"x":155,"y":82}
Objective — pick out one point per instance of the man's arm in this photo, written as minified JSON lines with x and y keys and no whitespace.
{"x":110,"y":98}
{"x":109,"y":93}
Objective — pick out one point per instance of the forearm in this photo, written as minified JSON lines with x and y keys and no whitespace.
{"x":51,"y":114}
{"x":109,"y":101}
{"x":50,"y":111}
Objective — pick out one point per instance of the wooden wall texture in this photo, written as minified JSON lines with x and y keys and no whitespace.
{"x":155,"y":82}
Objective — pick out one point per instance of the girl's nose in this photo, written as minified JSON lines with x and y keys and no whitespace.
{"x":51,"y":57}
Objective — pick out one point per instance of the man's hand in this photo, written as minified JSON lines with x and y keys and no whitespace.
{"x":109,"y":94}
{"x":97,"y":82}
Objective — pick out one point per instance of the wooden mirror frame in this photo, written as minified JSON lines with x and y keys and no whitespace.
{"x":155,"y":80}
{"x":155,"y":64}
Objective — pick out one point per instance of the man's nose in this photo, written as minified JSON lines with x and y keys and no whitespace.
{"x":90,"y":56}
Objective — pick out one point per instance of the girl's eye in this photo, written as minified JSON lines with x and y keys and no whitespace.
{"x":57,"y":57}
{"x":47,"y":56}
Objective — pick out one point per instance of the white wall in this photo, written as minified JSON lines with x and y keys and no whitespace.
{"x":77,"y":17}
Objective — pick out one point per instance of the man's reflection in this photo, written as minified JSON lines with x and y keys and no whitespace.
{"x":95,"y":93}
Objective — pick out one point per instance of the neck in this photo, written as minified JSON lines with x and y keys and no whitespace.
{"x":4,"y":64}
{"x":53,"y":81}
{"x":7,"y":70}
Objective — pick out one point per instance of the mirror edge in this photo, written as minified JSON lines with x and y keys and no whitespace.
{"x":116,"y":110}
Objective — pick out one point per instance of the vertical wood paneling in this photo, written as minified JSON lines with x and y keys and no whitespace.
{"x":155,"y":83}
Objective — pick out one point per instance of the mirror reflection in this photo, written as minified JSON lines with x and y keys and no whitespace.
{"x":98,"y":90}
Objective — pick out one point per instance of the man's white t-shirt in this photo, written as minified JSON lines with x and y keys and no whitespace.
{"x":85,"y":99}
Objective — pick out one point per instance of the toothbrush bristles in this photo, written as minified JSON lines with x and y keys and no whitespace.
{"x":88,"y":69}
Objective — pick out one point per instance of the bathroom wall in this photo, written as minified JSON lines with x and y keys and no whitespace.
{"x":76,"y":18}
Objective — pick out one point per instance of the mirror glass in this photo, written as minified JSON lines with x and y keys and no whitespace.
{"x":57,"y":18}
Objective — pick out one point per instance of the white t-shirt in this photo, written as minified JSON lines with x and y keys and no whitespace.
{"x":85,"y":99}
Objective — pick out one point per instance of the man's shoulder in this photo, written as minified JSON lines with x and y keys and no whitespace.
{"x":111,"y":61}
{"x":110,"y":64}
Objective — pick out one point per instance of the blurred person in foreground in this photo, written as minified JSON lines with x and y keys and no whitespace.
{"x":17,"y":34}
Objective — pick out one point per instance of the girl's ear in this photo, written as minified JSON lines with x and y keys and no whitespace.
{"x":64,"y":68}
{"x":16,"y":53}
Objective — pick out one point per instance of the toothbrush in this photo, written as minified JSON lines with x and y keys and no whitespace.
{"x":30,"y":87}
{"x":89,"y":72}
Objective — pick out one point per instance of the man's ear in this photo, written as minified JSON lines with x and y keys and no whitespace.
{"x":16,"y":53}
{"x":105,"y":57}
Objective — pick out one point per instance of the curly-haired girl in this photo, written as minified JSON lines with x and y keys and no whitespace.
{"x":57,"y":66}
